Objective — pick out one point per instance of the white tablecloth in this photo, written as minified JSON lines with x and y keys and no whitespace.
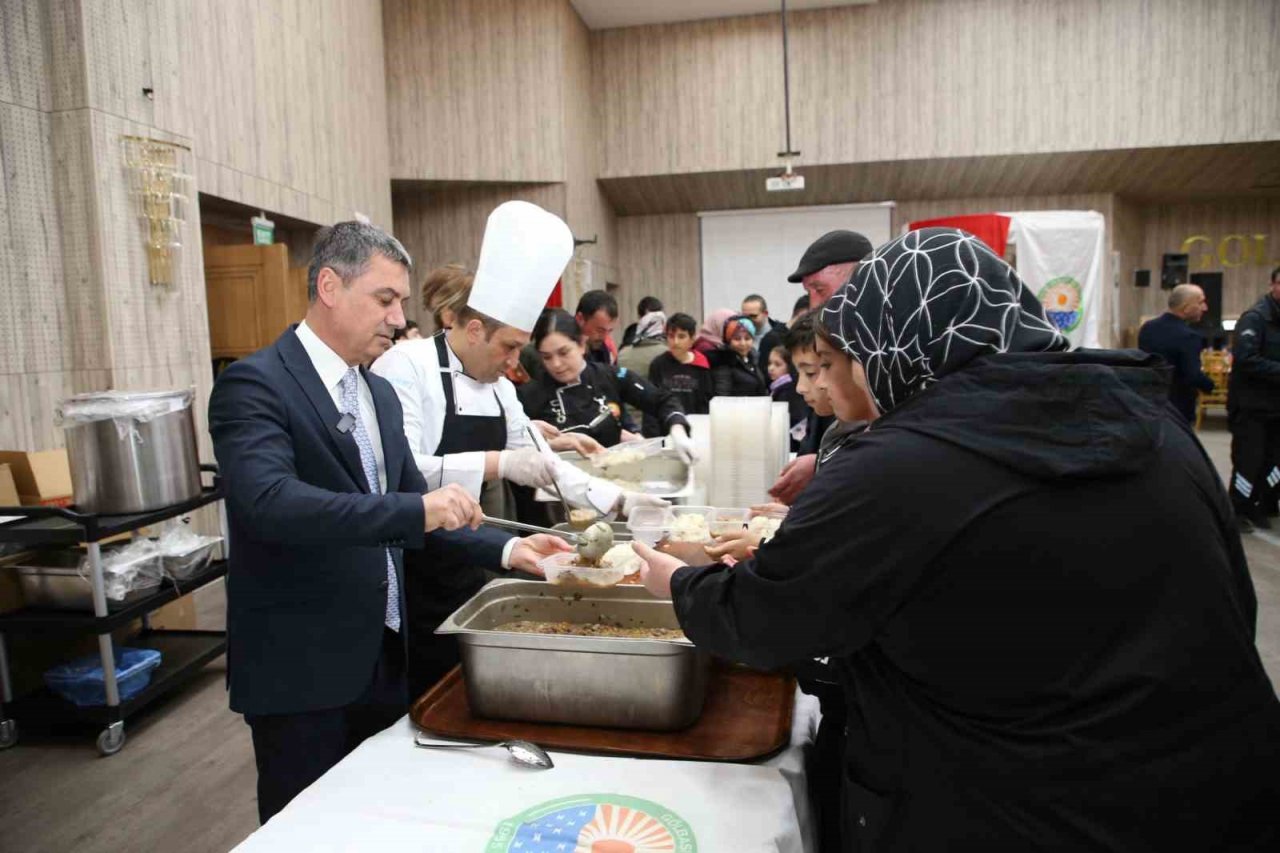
{"x":389,"y":795}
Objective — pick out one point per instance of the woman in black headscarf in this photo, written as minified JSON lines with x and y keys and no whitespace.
{"x":1026,"y":575}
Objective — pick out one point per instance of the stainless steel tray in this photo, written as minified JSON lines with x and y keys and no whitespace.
{"x":592,"y":681}
{"x":662,"y":475}
{"x":52,"y":579}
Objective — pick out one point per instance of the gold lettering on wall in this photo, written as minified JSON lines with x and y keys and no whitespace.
{"x":1202,"y":261}
{"x":1233,"y":250}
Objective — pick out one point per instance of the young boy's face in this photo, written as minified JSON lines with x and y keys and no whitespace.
{"x":845,"y":384}
{"x":679,"y":342}
{"x":806,"y":364}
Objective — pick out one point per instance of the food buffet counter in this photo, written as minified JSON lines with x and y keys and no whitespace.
{"x":388,"y":795}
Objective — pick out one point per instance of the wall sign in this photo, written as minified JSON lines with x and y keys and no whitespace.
{"x":1233,"y":250}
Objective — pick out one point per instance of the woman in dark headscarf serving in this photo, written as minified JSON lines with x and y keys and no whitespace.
{"x":1027,"y":576}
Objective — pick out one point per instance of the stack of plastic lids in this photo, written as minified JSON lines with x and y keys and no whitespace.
{"x":744,"y":450}
{"x":780,"y":435}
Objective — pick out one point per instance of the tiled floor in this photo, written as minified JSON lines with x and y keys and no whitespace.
{"x":185,"y":780}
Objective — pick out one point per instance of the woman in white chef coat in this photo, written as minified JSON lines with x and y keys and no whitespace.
{"x":463,"y":420}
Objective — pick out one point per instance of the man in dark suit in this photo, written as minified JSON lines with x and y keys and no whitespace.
{"x":769,"y":332}
{"x":1169,"y":337}
{"x":322,"y":495}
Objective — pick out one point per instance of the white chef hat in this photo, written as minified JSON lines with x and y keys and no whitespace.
{"x":524,"y":252}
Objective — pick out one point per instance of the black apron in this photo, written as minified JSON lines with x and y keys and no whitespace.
{"x":435,"y":588}
{"x":575,"y":406}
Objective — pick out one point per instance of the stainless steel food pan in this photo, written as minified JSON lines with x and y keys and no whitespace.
{"x":592,"y":681}
{"x":52,"y":579}
{"x":662,"y":475}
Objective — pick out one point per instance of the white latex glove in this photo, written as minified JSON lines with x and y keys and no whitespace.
{"x":527,"y":466}
{"x":683,"y":444}
{"x":631,"y":500}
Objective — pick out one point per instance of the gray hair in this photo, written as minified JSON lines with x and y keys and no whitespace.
{"x":347,"y":247}
{"x":1181,"y":295}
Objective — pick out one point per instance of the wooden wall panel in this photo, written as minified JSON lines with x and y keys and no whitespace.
{"x":1245,"y":263}
{"x":660,"y":256}
{"x":443,"y":226}
{"x":474,"y":89}
{"x":587,"y":210}
{"x":912,"y":79}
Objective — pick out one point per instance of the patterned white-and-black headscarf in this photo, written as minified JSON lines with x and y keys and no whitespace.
{"x":928,"y":303}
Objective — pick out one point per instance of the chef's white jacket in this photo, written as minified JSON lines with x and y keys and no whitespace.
{"x":413,"y":369}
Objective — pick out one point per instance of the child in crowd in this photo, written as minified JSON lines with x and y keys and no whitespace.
{"x":782,"y":388}
{"x":736,"y":373}
{"x":682,"y":370}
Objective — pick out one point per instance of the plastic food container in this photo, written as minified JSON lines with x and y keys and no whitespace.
{"x":648,"y":524}
{"x":183,"y":565}
{"x":561,"y":571}
{"x":728,"y":520}
{"x":81,"y":681}
{"x":681,"y":531}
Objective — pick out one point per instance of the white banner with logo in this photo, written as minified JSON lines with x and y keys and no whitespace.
{"x":1061,"y":257}
{"x":390,"y":796}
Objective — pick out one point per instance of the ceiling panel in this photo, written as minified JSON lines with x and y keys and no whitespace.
{"x":1182,"y":173}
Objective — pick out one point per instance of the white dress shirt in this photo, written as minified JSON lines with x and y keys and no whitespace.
{"x":413,"y":369}
{"x":332,"y":368}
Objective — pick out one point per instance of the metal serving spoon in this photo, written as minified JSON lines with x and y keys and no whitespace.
{"x":522,"y":751}
{"x":592,"y":543}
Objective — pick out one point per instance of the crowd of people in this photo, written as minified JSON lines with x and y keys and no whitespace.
{"x":1008,"y":571}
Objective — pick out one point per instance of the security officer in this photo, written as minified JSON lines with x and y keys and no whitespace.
{"x":1253,"y":410}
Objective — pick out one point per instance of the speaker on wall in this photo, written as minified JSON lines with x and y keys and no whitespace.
{"x":1173,"y":269}
{"x":1142,"y":278}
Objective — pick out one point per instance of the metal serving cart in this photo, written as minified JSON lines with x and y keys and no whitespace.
{"x":183,"y":652}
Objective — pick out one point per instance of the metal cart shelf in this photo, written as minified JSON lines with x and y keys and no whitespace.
{"x":184,"y":653}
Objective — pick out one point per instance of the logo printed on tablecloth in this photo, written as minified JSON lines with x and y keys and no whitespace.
{"x":1062,"y":301}
{"x":594,"y":823}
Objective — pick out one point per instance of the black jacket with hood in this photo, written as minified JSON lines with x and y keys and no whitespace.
{"x":1254,"y":385}
{"x":1029,"y":581}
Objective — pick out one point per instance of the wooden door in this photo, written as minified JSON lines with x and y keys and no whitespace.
{"x":250,"y":297}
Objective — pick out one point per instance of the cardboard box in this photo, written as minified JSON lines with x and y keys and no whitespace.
{"x":43,"y":477}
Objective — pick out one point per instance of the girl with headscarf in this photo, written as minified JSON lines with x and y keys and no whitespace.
{"x":736,"y":370}
{"x":1027,"y":576}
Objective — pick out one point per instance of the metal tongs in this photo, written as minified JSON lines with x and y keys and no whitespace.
{"x":592,"y":543}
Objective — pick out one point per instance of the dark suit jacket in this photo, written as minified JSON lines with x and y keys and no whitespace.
{"x":307,"y":581}
{"x":1169,"y":337}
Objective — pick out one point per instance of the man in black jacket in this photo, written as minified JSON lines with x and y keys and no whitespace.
{"x":1170,"y":337}
{"x":1253,"y":409}
{"x":769,"y":332}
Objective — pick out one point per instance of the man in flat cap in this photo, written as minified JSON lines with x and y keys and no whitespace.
{"x":828,"y":263}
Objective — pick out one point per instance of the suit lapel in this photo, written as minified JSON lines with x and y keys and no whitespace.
{"x":384,"y":398}
{"x":298,"y":363}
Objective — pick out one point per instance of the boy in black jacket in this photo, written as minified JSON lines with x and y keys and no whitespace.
{"x":681,"y":370}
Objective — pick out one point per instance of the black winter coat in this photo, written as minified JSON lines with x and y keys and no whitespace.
{"x":732,"y":376}
{"x":600,"y":389}
{"x":1030,"y":583}
{"x":1254,"y":385}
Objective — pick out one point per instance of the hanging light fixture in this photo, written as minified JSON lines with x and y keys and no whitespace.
{"x":788,"y":180}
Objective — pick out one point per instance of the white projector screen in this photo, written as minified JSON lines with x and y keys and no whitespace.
{"x":753,"y":251}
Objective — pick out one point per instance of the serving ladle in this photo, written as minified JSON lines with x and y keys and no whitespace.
{"x":522,"y":751}
{"x":592,"y":543}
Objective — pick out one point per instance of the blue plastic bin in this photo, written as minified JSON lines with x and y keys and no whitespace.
{"x":81,"y":680}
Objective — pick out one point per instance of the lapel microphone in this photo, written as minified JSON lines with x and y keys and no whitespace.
{"x":346,"y":424}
